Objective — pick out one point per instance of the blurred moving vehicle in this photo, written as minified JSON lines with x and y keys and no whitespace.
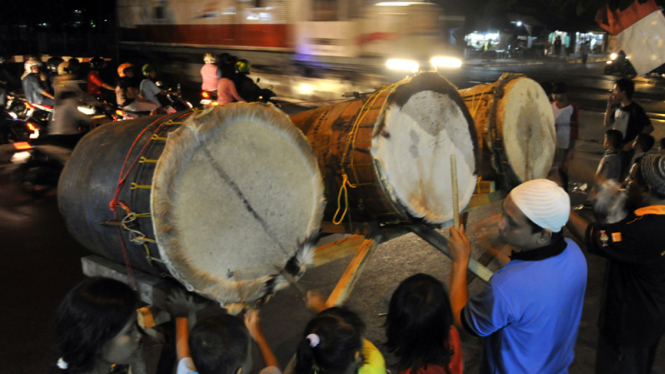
{"x":296,"y":36}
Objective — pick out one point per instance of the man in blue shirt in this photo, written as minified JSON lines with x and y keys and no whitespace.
{"x":531,"y":309}
{"x":33,"y":89}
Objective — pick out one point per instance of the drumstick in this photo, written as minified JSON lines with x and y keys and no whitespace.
{"x":453,"y":171}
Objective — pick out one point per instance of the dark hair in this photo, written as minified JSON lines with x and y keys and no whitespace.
{"x":91,"y":314}
{"x":340,"y":333}
{"x":219,"y":345}
{"x":535,"y":228}
{"x":615,"y":137}
{"x":627,"y":86}
{"x":559,"y":88}
{"x":418,"y":324}
{"x":547,"y":87}
{"x":645,"y":141}
{"x":662,"y":143}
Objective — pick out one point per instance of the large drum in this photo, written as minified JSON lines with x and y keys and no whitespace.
{"x":515,"y":122}
{"x":386,"y":157}
{"x":226,"y":200}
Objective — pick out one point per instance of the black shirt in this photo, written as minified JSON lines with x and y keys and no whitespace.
{"x":637,"y":120}
{"x":632,"y":310}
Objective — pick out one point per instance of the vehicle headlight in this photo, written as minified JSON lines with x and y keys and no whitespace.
{"x":403,"y":65}
{"x":609,"y":62}
{"x":446,"y":62}
{"x":613,"y":56}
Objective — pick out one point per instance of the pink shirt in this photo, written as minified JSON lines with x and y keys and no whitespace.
{"x":226,"y":92}
{"x":209,"y":75}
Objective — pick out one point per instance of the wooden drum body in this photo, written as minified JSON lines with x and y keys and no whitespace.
{"x":515,"y":123}
{"x":390,"y":152}
{"x":225,"y":202}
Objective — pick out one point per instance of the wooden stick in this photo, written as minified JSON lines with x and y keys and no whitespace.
{"x":453,"y":171}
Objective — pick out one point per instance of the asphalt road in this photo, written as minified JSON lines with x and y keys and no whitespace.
{"x":41,"y":261}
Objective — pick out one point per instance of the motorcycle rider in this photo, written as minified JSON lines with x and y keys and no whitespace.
{"x":149,"y":89}
{"x":67,"y":122}
{"x":226,"y":89}
{"x":127,"y":91}
{"x":94,"y":82}
{"x":7,"y":81}
{"x":52,"y":67}
{"x":35,"y":92}
{"x":209,"y":73}
{"x":246,"y":87}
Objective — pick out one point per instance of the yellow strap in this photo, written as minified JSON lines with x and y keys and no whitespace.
{"x":343,"y":189}
{"x":140,"y":186}
{"x":148,"y":240}
{"x":157,"y":137}
{"x":144,"y":160}
{"x":133,"y":216}
{"x":172,"y":122}
{"x":147,"y":254}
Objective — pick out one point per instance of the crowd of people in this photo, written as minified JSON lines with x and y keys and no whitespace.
{"x":529,"y":313}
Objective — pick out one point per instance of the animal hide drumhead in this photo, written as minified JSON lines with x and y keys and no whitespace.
{"x":236,"y":192}
{"x":413,"y":149}
{"x":529,"y":136}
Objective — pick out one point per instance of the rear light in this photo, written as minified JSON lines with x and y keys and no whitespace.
{"x":118,"y":112}
{"x":214,"y":103}
{"x":22,"y":146}
{"x":205,"y":95}
{"x":31,"y":126}
{"x":27,"y":105}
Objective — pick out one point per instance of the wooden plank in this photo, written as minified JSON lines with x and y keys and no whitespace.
{"x":152,"y":290}
{"x":439,"y":242}
{"x":348,"y":281}
{"x":336,"y":250}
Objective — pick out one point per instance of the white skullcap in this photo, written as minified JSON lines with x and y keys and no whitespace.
{"x":543,"y":202}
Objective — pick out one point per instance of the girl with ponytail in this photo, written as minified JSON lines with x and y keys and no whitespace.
{"x":333,"y":343}
{"x":96,"y":329}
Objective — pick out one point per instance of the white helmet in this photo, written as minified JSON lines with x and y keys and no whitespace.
{"x":30,"y":63}
{"x":209,"y":58}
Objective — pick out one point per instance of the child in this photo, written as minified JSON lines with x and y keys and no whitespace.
{"x":642,"y":144}
{"x":419,"y":328}
{"x":96,"y":327}
{"x":218,"y":345}
{"x":661,"y":147}
{"x":333,"y":343}
{"x":566,"y":119}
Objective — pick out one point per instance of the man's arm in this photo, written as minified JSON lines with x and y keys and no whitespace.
{"x":577,"y":225}
{"x":180,"y":305}
{"x":460,"y":252}
{"x":609,"y":113}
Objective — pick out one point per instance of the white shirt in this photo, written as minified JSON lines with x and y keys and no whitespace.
{"x":621,"y":118}
{"x":150,"y":91}
{"x":562,"y":119}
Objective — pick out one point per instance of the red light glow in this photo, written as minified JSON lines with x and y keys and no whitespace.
{"x":21,"y":146}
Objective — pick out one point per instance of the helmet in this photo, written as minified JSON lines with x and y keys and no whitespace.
{"x":53,"y":62}
{"x":74,"y":65}
{"x":63,"y":68}
{"x":97,"y":63}
{"x":30,"y":63}
{"x":243,"y":66}
{"x":123,"y":67}
{"x":147,"y":68}
{"x":209,"y":58}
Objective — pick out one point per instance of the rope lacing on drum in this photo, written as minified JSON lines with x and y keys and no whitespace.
{"x":121,"y":182}
{"x":351,"y":139}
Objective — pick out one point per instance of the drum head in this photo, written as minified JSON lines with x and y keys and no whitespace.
{"x":529,"y":136}
{"x":424,"y":125}
{"x":236,"y":192}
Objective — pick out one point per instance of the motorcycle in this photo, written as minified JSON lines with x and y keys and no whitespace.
{"x":16,"y":104}
{"x":37,"y":119}
{"x":208,"y":99}
{"x":12,"y":128}
{"x":619,"y":63}
{"x":174,"y":101}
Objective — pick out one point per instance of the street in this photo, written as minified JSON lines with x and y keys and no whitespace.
{"x":42,"y":261}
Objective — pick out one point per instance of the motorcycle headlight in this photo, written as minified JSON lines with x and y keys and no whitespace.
{"x":609,"y":62}
{"x":446,"y":62}
{"x":613,"y":56}
{"x":403,"y":65}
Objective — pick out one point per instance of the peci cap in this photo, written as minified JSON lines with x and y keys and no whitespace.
{"x":543,"y":202}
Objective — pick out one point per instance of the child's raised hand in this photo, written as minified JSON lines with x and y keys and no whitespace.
{"x":314,"y":301}
{"x":180,"y":303}
{"x":253,"y":323}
